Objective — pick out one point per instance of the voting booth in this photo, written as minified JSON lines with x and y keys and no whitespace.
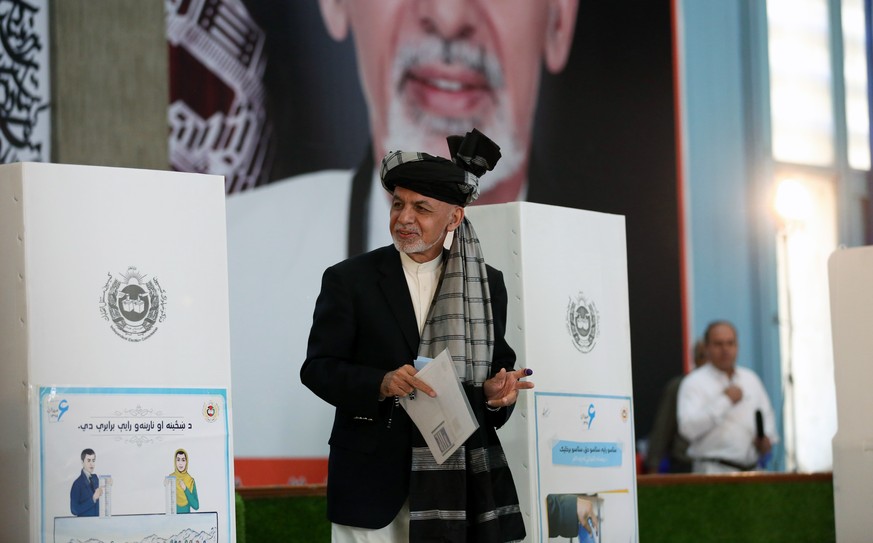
{"x":851,"y":291}
{"x":572,"y":436}
{"x":115,"y":356}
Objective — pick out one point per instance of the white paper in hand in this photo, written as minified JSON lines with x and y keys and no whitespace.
{"x":447,"y":420}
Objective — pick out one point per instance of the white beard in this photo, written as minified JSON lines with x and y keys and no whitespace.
{"x":412,"y":130}
{"x":412,"y":247}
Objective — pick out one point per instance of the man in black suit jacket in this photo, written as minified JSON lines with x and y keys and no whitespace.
{"x":367,"y":329}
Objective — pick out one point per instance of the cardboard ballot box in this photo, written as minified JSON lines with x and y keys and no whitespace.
{"x":572,"y":436}
{"x":114,"y":340}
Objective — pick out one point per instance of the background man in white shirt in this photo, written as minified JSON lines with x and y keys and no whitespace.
{"x":718,"y":405}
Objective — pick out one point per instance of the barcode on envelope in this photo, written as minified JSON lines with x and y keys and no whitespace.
{"x":442,"y":438}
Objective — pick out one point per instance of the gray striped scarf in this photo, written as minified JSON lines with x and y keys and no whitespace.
{"x":460,"y":317}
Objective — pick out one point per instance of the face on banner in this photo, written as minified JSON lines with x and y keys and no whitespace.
{"x":433,"y":69}
{"x":181,"y":462}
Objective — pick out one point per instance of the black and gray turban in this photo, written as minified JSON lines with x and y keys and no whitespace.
{"x":453,"y":181}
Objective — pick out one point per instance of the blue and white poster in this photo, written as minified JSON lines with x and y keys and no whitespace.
{"x":585,"y":454}
{"x":134,"y":465}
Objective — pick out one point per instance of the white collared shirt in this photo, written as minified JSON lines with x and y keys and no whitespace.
{"x":717,"y":427}
{"x":422,"y":280}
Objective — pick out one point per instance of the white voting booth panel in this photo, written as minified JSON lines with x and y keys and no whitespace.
{"x":114,"y":337}
{"x":572,"y":435}
{"x":851,"y":289}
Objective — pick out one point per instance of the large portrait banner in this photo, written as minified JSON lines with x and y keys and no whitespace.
{"x":134,"y":465}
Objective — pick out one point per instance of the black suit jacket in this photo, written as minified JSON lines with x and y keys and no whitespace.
{"x":363,"y":327}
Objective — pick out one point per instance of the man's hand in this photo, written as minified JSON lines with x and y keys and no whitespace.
{"x":97,"y":494}
{"x":585,"y":511}
{"x":763,"y":445}
{"x":734,"y":392}
{"x":402,"y":381}
{"x":502,"y":389}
